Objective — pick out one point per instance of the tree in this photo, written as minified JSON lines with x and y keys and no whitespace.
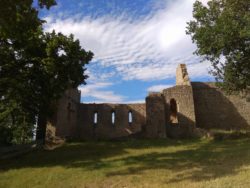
{"x":62,"y":68}
{"x":221,"y":30}
{"x":35,"y":68}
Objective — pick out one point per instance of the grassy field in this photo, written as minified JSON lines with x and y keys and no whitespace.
{"x":134,"y":163}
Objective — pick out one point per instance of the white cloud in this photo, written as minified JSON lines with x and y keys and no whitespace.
{"x":133,"y":102}
{"x":199,"y":69}
{"x":97,"y":91}
{"x":148,"y":48}
{"x":158,"y":88}
{"x":144,"y":48}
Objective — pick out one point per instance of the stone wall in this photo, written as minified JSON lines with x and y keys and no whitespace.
{"x":104,"y":129}
{"x":215,"y":109}
{"x":158,"y":107}
{"x":182,"y":77}
{"x":183,"y":96}
{"x":156,"y":116}
{"x":66,"y":117}
{"x":174,"y":112}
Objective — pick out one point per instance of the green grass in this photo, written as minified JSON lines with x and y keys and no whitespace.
{"x":133,"y":163}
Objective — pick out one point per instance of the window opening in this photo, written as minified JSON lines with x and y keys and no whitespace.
{"x":130,"y":117}
{"x":95,"y":118}
{"x":113,"y":117}
{"x":173,"y":111}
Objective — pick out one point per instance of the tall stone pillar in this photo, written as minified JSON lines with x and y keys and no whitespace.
{"x":155,"y":114}
{"x":182,"y":77}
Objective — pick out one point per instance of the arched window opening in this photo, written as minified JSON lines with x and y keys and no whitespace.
{"x":113,"y":117}
{"x":173,"y":111}
{"x":130,"y":117}
{"x":95,"y":118}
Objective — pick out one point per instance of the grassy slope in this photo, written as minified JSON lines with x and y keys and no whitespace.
{"x":140,"y":163}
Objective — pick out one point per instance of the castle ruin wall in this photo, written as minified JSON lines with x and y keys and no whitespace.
{"x":104,"y":128}
{"x":156,"y":117}
{"x":215,"y":109}
{"x":183,"y":95}
{"x":175,"y":112}
{"x":185,"y":121}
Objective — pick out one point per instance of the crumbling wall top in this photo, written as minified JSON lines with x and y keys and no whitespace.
{"x":182,"y":77}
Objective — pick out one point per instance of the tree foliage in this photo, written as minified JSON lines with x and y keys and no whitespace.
{"x":35,"y":67}
{"x":221,"y":30}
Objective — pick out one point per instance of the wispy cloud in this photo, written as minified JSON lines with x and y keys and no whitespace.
{"x":157,"y":88}
{"x":134,"y":102}
{"x":97,"y":91}
{"x":145,"y":48}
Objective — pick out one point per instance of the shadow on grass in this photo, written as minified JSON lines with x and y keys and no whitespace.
{"x":208,"y":161}
{"x":78,"y":153}
{"x":205,"y":159}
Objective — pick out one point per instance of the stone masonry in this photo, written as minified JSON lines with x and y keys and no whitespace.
{"x":175,"y":112}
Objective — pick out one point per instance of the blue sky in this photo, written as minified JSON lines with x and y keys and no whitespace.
{"x":137,"y":45}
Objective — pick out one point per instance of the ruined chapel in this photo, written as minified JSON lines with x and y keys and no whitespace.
{"x":175,"y":112}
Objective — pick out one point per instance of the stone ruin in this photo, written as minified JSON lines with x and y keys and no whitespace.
{"x":176,"y":112}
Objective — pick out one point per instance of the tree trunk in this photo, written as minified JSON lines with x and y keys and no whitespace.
{"x":41,"y":128}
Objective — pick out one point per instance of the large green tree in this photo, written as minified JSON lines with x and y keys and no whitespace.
{"x":221,"y":30}
{"x":35,"y":68}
